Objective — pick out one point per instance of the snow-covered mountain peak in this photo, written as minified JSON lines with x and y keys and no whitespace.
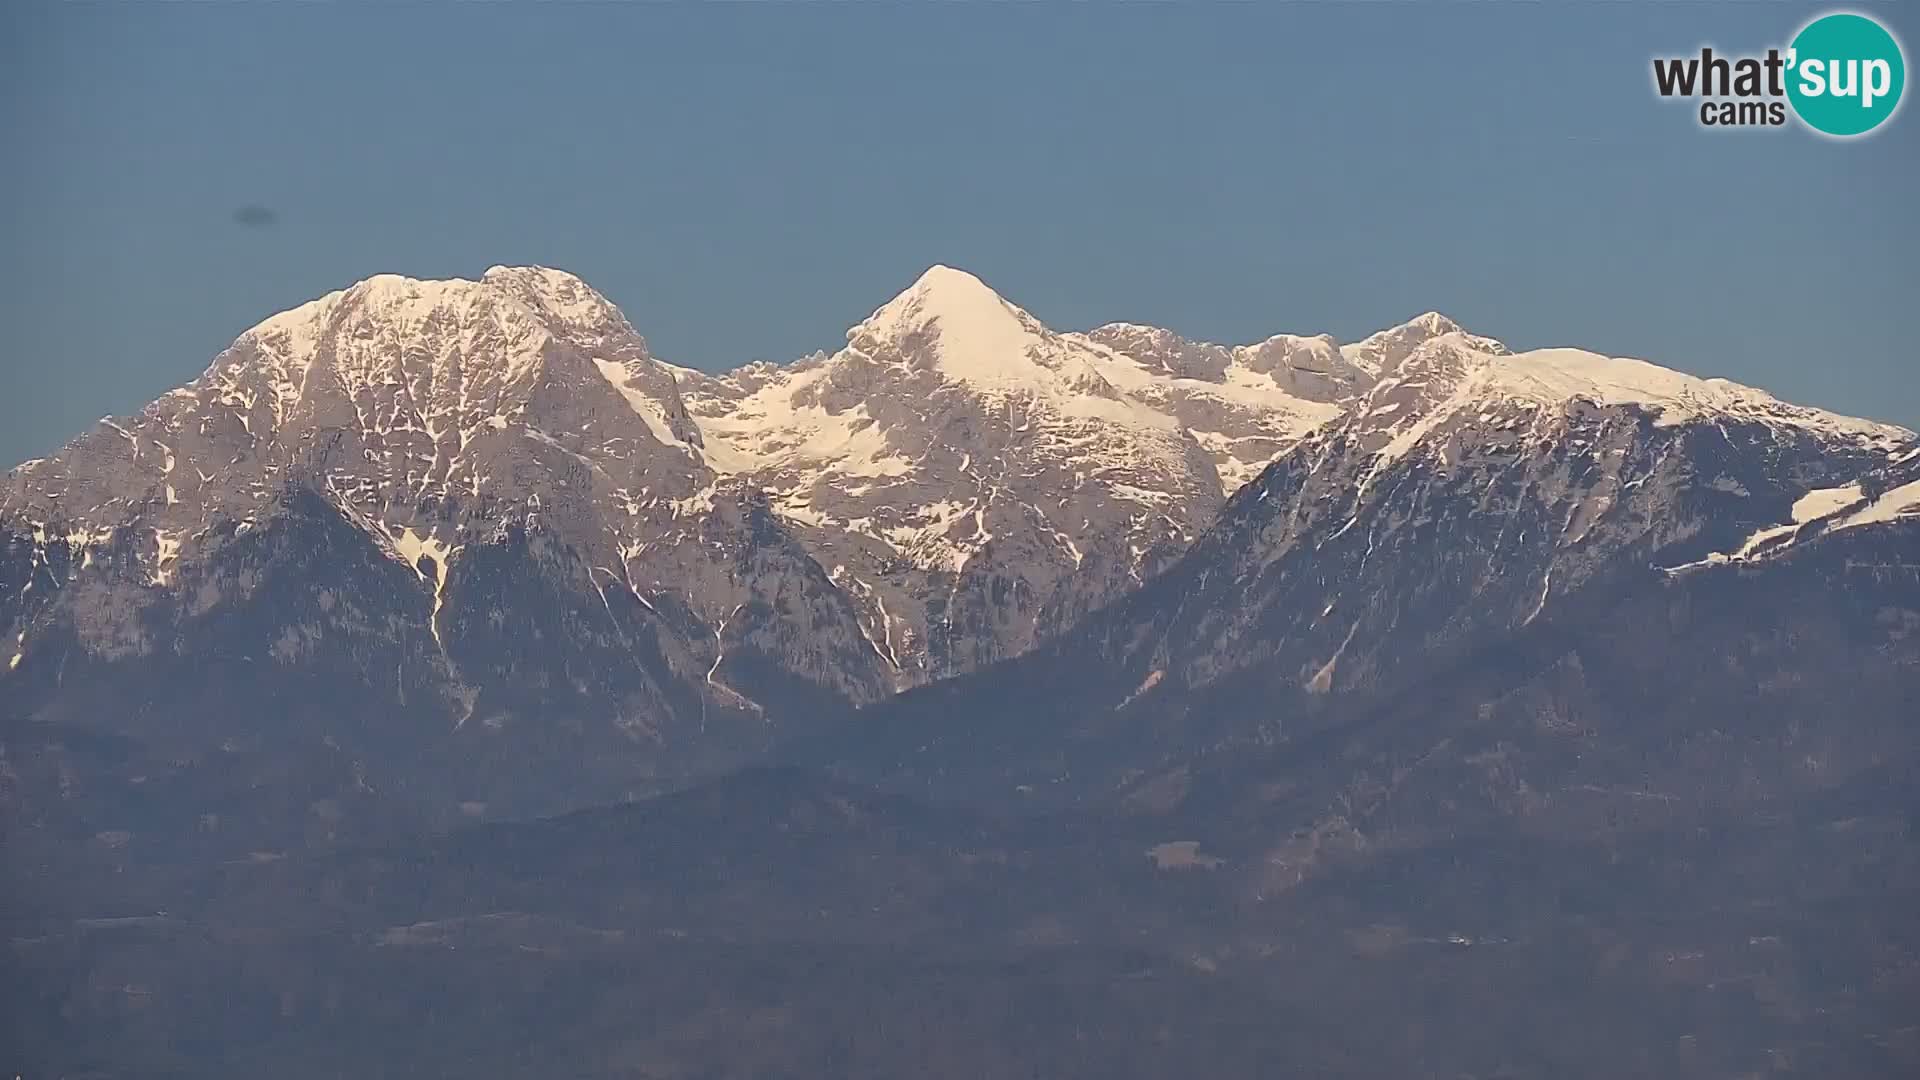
{"x":957,"y":450}
{"x":1378,"y":354}
{"x":945,"y":293}
{"x":448,"y":345}
{"x":530,"y":304}
{"x":950,"y":322}
{"x":397,"y":393}
{"x":967,"y":478}
{"x":1284,"y":356}
{"x":362,"y":327}
{"x":948,"y":350}
{"x":545,"y":280}
{"x":569,"y":306}
{"x":1562,"y":374}
{"x":417,"y":341}
{"x":1243,"y":403}
{"x":1432,"y":323}
{"x":1457,"y":379}
{"x":952,"y":303}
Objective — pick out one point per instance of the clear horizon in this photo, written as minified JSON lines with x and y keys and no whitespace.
{"x":745,"y":184}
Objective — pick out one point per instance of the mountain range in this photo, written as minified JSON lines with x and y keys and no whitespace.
{"x":550,"y":528}
{"x":1292,"y":678}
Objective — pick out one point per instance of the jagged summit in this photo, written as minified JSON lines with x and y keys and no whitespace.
{"x":1421,"y":327}
{"x":547,"y":279}
{"x":1379,"y":353}
{"x":967,"y":477}
{"x":958,"y":463}
{"x":1432,"y":323}
{"x":360,"y":336}
{"x":556,"y":301}
{"x":475,"y":340}
{"x":394,"y":290}
{"x":397,"y":395}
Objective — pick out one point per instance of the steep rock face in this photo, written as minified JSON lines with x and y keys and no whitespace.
{"x":1512,"y":670}
{"x":1244,"y":404}
{"x":976,"y":481}
{"x":1469,"y":492}
{"x":970,"y":480}
{"x":397,"y":391}
{"x":1680,"y":804}
{"x":305,"y":632}
{"x":672,"y":570}
{"x":1467,"y":489}
{"x":510,"y":477}
{"x":969,"y":477}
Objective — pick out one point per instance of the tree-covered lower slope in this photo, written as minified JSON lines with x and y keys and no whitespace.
{"x":1668,"y":830}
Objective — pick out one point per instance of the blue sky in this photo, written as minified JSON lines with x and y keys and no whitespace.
{"x":746,"y":181}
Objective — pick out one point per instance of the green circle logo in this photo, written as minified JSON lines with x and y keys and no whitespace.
{"x":1845,"y":74}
